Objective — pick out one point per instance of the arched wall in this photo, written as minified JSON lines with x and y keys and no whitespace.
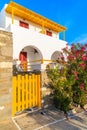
{"x":55,"y":55}
{"x":33,"y":53}
{"x":46,"y":44}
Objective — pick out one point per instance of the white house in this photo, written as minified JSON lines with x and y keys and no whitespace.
{"x":36,"y":40}
{"x":31,"y":42}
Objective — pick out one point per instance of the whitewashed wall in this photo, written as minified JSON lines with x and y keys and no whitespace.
{"x":46,"y":44}
{"x":3,"y":18}
{"x":6,"y":20}
{"x":23,"y":37}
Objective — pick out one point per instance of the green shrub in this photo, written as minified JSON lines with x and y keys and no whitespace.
{"x":61,"y":102}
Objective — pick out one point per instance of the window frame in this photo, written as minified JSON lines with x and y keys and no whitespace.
{"x":49,"y":33}
{"x":23,"y":24}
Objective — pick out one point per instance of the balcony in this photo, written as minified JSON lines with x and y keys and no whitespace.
{"x":23,"y":38}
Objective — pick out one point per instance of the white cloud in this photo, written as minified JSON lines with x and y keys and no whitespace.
{"x":82,"y":39}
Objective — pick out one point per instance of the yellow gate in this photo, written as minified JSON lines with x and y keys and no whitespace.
{"x":26,"y":92}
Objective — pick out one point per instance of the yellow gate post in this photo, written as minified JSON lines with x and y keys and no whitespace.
{"x":38,"y":91}
{"x":19,"y":93}
{"x":22,"y":92}
{"x":30,"y":91}
{"x":26,"y":83}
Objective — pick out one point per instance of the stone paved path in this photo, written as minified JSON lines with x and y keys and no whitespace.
{"x":52,"y":119}
{"x":7,"y":125}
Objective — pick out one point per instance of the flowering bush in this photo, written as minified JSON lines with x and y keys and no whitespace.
{"x":77,"y":72}
{"x":61,"y":90}
{"x":70,"y":82}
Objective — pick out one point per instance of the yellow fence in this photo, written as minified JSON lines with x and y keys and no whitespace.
{"x":26,"y":92}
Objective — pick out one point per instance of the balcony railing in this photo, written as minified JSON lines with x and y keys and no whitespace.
{"x":35,"y":65}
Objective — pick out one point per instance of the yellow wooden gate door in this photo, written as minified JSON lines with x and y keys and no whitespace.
{"x":26,"y":92}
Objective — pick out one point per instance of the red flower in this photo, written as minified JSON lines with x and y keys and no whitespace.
{"x":83,"y":48}
{"x":76,"y":78}
{"x":70,"y":57}
{"x":83,"y":58}
{"x":77,"y":53}
{"x":75,"y":73}
{"x":72,"y":47}
{"x":82,"y":65}
{"x":82,"y":86}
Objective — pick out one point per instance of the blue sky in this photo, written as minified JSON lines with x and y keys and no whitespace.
{"x":69,"y":13}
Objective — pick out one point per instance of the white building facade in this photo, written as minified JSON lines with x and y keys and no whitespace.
{"x":36,"y":42}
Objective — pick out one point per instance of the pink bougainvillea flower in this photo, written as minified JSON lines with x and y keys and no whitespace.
{"x":73,"y":46}
{"x":76,"y":78}
{"x":82,"y":65}
{"x":75,"y":73}
{"x":77,"y":53}
{"x":84,"y":58}
{"x":70,"y":57}
{"x":83,"y":48}
{"x":82,"y":86}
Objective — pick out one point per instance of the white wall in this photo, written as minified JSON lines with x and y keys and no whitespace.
{"x":46,"y":44}
{"x":32,"y":26}
{"x":6,"y":20}
{"x":3,"y":18}
{"x":31,"y":56}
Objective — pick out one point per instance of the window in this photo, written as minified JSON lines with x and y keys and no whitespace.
{"x":23,"y":24}
{"x":48,"y":33}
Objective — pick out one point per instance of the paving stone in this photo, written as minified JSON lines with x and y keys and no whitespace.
{"x":52,"y":119}
{"x":7,"y":125}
